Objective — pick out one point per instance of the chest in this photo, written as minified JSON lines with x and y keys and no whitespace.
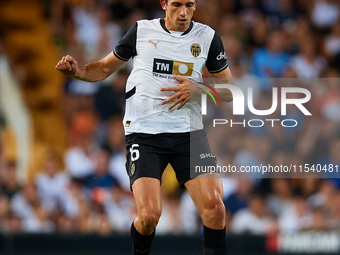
{"x":176,"y":55}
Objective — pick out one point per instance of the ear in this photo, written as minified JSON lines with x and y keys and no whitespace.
{"x":163,"y":4}
{"x":196,"y":1}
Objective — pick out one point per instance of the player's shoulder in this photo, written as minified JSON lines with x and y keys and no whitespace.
{"x":203,"y":31}
{"x":201,"y":26}
{"x":148,"y":22}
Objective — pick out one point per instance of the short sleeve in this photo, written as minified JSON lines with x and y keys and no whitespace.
{"x":126,"y":47}
{"x":217,"y":59}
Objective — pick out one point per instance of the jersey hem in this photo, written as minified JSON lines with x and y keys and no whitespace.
{"x":147,"y":132}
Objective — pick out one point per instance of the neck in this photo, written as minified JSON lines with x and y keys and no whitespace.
{"x":171,"y":27}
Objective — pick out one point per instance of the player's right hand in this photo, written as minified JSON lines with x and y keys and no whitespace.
{"x":67,"y":65}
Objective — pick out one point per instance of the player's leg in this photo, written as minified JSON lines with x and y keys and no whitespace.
{"x":147,"y":194}
{"x":207,"y":195}
{"x":144,"y":166}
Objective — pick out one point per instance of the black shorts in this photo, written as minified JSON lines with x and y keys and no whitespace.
{"x":148,"y":155}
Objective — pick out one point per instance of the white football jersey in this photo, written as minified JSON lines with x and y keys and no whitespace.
{"x":158,"y":55}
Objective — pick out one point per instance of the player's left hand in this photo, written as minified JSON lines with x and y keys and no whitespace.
{"x":182,"y":93}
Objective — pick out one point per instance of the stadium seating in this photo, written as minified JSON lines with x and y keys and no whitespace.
{"x":29,"y":46}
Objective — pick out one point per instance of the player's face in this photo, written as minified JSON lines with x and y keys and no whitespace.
{"x":178,"y":14}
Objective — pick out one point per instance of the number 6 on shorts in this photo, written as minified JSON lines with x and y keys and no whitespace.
{"x":134,"y":152}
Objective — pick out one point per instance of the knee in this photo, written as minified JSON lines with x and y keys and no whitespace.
{"x":214,"y":210}
{"x":149,"y":218}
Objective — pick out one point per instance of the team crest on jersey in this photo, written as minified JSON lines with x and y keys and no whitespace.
{"x":195,"y":49}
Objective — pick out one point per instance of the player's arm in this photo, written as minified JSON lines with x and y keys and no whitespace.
{"x":223,"y":77}
{"x":189,"y":89}
{"x":219,"y":71}
{"x":100,"y":70}
{"x":91,"y":72}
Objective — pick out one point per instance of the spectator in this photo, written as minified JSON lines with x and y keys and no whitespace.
{"x":52,"y":183}
{"x":100,"y":182}
{"x":296,"y":32}
{"x":98,"y":222}
{"x":22,"y":202}
{"x":248,"y":11}
{"x":72,"y":197}
{"x":230,"y":26}
{"x":110,"y":31}
{"x":120,"y":209}
{"x":38,"y":222}
{"x":239,"y":199}
{"x":270,"y":61}
{"x":324,"y":196}
{"x":259,"y":33}
{"x":83,"y":219}
{"x":289,"y":10}
{"x":319,"y":221}
{"x":87,"y":27}
{"x":296,"y":217}
{"x":309,"y":186}
{"x":12,"y":223}
{"x":308,"y":64}
{"x":65,"y":224}
{"x":281,"y":199}
{"x":325,"y":13}
{"x":104,"y":228}
{"x":332,"y":42}
{"x":10,"y":185}
{"x":110,"y":100}
{"x":254,"y":219}
{"x":247,"y":155}
{"x":80,"y":159}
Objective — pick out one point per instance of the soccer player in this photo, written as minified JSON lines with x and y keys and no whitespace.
{"x":160,"y":120}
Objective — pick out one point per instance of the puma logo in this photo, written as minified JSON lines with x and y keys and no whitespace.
{"x":150,"y":41}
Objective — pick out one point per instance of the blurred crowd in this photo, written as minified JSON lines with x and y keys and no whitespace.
{"x":87,"y":190}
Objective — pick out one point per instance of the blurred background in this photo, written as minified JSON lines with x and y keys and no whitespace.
{"x":62,"y":151}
